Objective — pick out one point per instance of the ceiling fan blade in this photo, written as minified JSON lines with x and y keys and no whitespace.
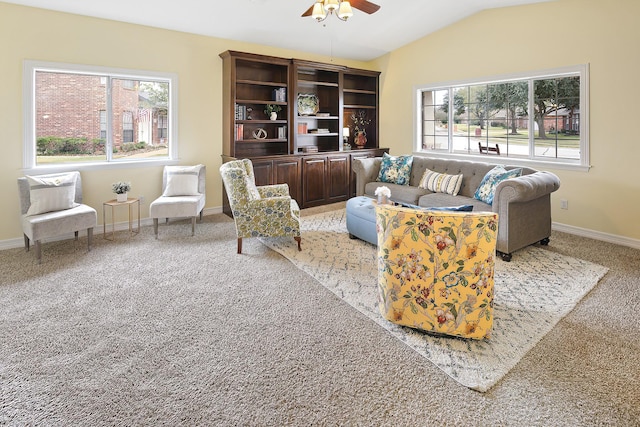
{"x":308,"y":12}
{"x":365,"y":6}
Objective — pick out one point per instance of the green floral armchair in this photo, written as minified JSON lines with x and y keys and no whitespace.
{"x":265,"y":211}
{"x":436,"y":269}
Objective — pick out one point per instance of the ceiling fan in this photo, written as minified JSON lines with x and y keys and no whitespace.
{"x":323,"y":8}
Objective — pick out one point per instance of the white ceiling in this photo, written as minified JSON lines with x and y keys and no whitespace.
{"x":278,"y":22}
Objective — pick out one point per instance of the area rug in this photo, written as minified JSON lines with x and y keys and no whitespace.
{"x":532,"y":293}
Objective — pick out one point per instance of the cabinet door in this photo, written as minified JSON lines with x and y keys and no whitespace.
{"x":313,"y":181}
{"x":287,"y":171}
{"x":263,"y":171}
{"x":337,"y":181}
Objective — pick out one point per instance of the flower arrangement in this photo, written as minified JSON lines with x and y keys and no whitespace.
{"x":121,"y":187}
{"x":360,"y":122}
{"x":271,"y":108}
{"x":383,"y":193}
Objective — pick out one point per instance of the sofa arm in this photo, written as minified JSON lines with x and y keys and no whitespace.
{"x":525,"y":188}
{"x":366,"y":170}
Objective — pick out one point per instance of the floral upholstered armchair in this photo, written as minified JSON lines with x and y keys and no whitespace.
{"x":265,"y":211}
{"x":435,"y":269}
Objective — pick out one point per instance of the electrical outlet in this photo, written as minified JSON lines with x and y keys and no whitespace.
{"x":564,"y":204}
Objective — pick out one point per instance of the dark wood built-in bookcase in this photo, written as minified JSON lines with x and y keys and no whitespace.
{"x":303,"y":147}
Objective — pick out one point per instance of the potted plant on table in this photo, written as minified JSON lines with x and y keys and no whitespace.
{"x":121,"y":188}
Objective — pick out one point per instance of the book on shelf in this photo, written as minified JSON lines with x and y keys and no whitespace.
{"x":323,"y":114}
{"x":319,"y":130}
{"x":239,"y":132}
{"x":280,"y":94}
{"x":302,"y":128}
{"x":282,"y":132}
{"x":241,"y":112}
{"x":309,"y":149}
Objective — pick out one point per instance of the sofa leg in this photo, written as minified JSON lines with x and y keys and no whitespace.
{"x":352,"y":237}
{"x":26,"y":243}
{"x":76,"y":234}
{"x":505,"y":257}
{"x":299,"y":240}
{"x":545,"y":241}
{"x":239,"y":245}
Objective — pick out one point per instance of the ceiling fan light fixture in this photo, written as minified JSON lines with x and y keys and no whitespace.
{"x":331,"y":5}
{"x":345,"y":12}
{"x":318,"y":11}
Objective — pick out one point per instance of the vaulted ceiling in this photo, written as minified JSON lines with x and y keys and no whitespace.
{"x":278,"y":22}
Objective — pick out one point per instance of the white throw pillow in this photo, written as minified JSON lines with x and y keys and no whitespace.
{"x":182,"y":181}
{"x":51,"y":193}
{"x":441,"y":182}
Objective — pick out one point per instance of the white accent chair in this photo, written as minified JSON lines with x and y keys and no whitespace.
{"x":183,"y":195}
{"x":52,"y":218}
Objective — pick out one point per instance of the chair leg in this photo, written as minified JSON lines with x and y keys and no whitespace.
{"x":155,"y":227}
{"x":89,"y":238}
{"x":201,"y":215}
{"x":26,"y":243}
{"x":299,"y":240}
{"x":76,"y":234}
{"x":193,"y":226}
{"x":38,"y":251}
{"x":166,"y":221}
{"x":239,"y":245}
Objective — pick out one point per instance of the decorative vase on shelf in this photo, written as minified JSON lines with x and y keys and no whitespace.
{"x":274,"y":115}
{"x":361,"y":139}
{"x":121,"y":197}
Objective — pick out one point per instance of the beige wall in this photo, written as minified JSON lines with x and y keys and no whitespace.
{"x":606,"y":35}
{"x":605,"y":200}
{"x":36,"y":34}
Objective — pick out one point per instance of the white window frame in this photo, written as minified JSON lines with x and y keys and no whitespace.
{"x":30,"y":68}
{"x":582,"y":164}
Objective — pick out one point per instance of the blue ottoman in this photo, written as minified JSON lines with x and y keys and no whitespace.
{"x":361,"y":219}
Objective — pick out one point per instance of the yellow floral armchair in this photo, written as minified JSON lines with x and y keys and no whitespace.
{"x":264,"y":211}
{"x":436,"y":269}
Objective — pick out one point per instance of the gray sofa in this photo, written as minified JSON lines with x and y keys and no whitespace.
{"x":523,"y":204}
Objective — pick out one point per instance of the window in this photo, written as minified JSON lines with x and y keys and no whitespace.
{"x":79,"y":114}
{"x":537,"y":117}
{"x":103,"y":125}
{"x":162,"y":126}
{"x":127,"y":127}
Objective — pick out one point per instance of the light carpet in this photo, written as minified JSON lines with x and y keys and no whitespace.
{"x":532,"y":293}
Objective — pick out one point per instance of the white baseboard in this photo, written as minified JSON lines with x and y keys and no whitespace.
{"x":597,"y":235}
{"x":97,"y":231}
{"x":120,"y":226}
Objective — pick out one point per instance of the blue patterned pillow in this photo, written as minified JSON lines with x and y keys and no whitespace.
{"x":395,"y":170}
{"x":495,"y":176}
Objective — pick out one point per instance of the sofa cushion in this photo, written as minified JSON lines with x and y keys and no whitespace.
{"x":441,"y":182}
{"x":495,"y":176}
{"x":395,"y":170}
{"x":399,"y":193}
{"x":443,"y":199}
{"x":50,"y":193}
